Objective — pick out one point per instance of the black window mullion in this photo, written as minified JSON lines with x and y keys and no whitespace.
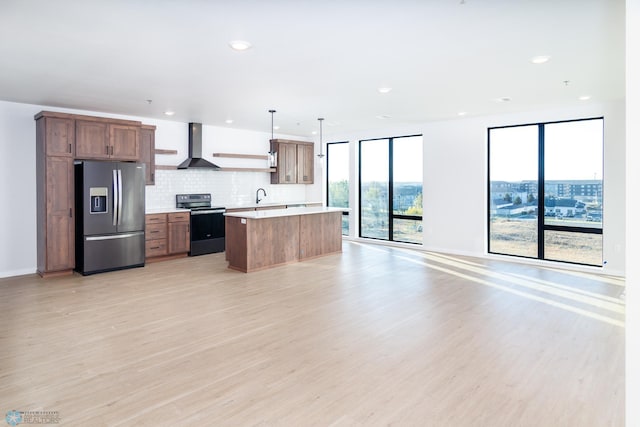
{"x":541,"y":191}
{"x":390,"y":192}
{"x":360,"y":189}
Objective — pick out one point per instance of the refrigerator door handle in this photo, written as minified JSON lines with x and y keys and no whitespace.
{"x":119,"y":197}
{"x":112,"y":236}
{"x":114,"y":184}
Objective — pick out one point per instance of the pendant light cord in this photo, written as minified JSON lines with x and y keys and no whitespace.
{"x":320,"y":119}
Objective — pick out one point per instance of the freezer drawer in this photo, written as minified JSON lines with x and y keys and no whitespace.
{"x":111,"y":252}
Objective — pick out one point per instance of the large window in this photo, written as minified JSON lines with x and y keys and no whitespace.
{"x":545,"y":191}
{"x":391,"y":189}
{"x":338,"y":179}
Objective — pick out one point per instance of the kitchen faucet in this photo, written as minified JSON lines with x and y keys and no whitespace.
{"x":258,"y":195}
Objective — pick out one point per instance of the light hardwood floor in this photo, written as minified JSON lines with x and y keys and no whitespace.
{"x":370,"y":337}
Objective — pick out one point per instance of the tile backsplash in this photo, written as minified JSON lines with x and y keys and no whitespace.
{"x":227,"y":188}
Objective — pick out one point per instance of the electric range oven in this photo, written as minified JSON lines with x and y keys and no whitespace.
{"x":207,"y":223}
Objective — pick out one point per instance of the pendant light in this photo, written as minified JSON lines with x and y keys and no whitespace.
{"x":273,"y":155}
{"x":321,"y":155}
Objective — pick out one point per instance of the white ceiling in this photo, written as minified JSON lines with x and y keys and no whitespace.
{"x":310,"y":59}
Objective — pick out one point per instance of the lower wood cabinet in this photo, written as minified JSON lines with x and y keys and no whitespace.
{"x":56,"y":222}
{"x":178,"y":234}
{"x":167,"y":235}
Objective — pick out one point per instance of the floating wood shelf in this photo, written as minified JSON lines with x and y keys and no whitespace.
{"x":166,"y":167}
{"x":163,"y":151}
{"x":242,"y":156}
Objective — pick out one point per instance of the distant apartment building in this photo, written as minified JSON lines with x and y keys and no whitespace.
{"x":571,"y":189}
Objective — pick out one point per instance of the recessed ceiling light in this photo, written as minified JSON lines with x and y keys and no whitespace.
{"x":585,"y":98}
{"x":383,"y":117}
{"x":503,"y":99}
{"x":384,"y":89}
{"x":462,"y":113}
{"x":276,"y":127}
{"x":540,"y":59}
{"x":169,"y":113}
{"x":228,"y":121}
{"x":314,"y":132}
{"x":239,"y":45}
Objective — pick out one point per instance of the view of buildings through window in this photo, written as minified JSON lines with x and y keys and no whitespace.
{"x":561,"y":219}
{"x":391,"y":189}
{"x":338,"y":179}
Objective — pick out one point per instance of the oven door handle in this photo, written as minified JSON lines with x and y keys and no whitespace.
{"x":213,"y":211}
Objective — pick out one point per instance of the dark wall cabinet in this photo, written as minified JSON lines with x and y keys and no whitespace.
{"x":147,"y":152}
{"x":295,"y":162}
{"x":102,"y":140}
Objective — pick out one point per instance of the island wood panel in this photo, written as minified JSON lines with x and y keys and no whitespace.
{"x":262,"y":243}
{"x":320,"y":234}
{"x":235,"y":243}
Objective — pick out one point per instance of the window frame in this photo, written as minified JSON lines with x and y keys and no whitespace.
{"x":541,"y":226}
{"x":390,"y":182}
{"x":344,"y":213}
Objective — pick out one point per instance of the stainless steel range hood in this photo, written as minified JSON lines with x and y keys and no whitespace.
{"x":195,"y":159}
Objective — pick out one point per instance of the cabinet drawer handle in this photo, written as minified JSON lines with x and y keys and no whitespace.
{"x":70,"y":213}
{"x":106,"y":148}
{"x":154,"y":231}
{"x":69,"y":148}
{"x":155,"y":247}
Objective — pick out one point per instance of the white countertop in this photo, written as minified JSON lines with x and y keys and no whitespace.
{"x":275,"y":213}
{"x":164,"y":210}
{"x":248,"y":206}
{"x":268,"y":204}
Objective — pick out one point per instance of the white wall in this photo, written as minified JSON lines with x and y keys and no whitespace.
{"x":17,"y":189}
{"x":633,"y":207}
{"x":18,"y":175}
{"x":455,"y":174}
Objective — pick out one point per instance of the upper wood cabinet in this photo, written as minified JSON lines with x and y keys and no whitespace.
{"x":147,"y":152}
{"x":92,"y":140}
{"x":59,"y":136}
{"x":103,"y":140}
{"x":294,"y":162}
{"x":125,"y":142}
{"x":305,"y":163}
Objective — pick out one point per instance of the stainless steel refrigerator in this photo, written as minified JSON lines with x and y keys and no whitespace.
{"x":109,"y":215}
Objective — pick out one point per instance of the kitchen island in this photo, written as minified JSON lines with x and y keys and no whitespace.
{"x":256,"y":240}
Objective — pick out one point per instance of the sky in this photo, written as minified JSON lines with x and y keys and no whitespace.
{"x":573,"y":151}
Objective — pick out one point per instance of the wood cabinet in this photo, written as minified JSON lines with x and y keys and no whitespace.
{"x":59,"y":136}
{"x":155,"y":235}
{"x":107,"y":140}
{"x":305,"y":163}
{"x":60,"y":139}
{"x":295,"y":162}
{"x":178,"y":235}
{"x":147,"y":152}
{"x":55,"y":195}
{"x":167,"y":235}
